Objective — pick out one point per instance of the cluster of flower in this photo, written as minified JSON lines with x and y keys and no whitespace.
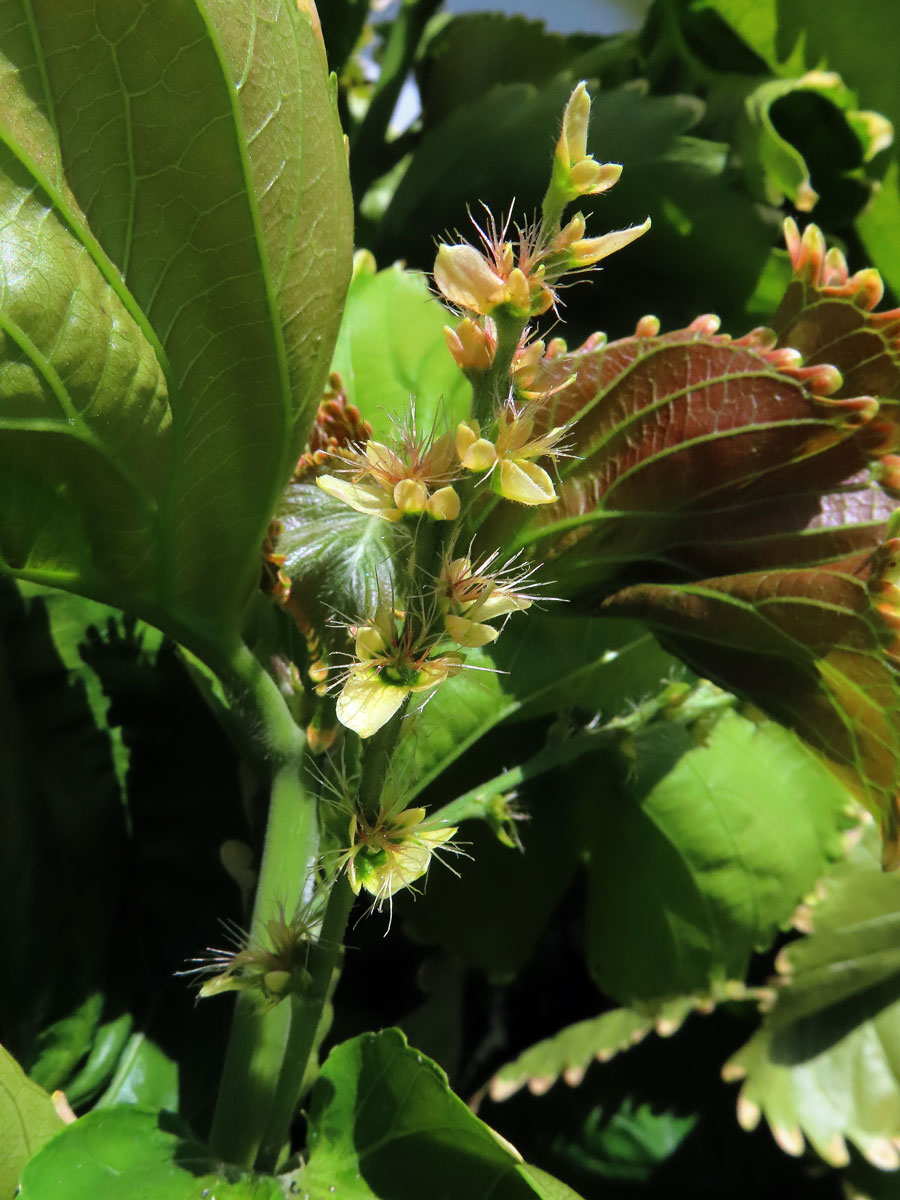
{"x":415,"y":642}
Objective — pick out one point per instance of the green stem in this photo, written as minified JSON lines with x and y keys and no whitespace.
{"x":678,"y":703}
{"x":490,"y":388}
{"x":307,"y":1025}
{"x":480,"y":802}
{"x":260,"y":1036}
{"x":379,"y":751}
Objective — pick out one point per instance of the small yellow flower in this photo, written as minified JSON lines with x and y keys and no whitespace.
{"x":509,"y":455}
{"x":392,"y":852}
{"x":390,"y":485}
{"x":273,"y":963}
{"x":481,"y":283}
{"x":390,"y":664}
{"x":470,"y":596}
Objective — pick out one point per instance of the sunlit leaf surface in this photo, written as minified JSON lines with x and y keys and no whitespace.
{"x":175,"y":200}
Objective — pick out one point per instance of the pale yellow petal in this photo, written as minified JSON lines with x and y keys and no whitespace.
{"x":480,"y":456}
{"x":469,"y":633}
{"x":364,"y":498}
{"x":498,"y":604}
{"x":525,"y":482}
{"x":370,"y":642}
{"x":382,"y":458}
{"x":467,"y":279}
{"x":592,"y":250}
{"x":365,"y":703}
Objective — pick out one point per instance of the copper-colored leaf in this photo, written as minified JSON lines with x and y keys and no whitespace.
{"x":828,"y":315}
{"x":690,"y":440}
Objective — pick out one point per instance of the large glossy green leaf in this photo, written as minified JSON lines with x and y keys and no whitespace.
{"x":177,"y":247}
{"x":27,"y":1120}
{"x":699,"y":853}
{"x":119,"y":1152}
{"x":384,"y":1125}
{"x":826,"y":1063}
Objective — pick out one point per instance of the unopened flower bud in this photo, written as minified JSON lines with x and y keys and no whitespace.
{"x":470,"y":345}
{"x":519,"y":293}
{"x":475,"y":452}
{"x":443,"y":505}
{"x":575,"y":172}
{"x":572,"y":144}
{"x":410,"y":496}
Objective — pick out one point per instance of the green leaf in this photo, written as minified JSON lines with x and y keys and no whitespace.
{"x":541,"y":665}
{"x":338,"y":560}
{"x":793,"y":128}
{"x":61,"y":1046}
{"x":699,"y":853}
{"x":117,"y":1152}
{"x":825,"y":1063}
{"x":27,"y":1120}
{"x":813,"y":647}
{"x":570,"y":1052}
{"x":383,"y":1120}
{"x":878,"y":224}
{"x":164,"y":337}
{"x":145,"y":1076}
{"x":391,"y":350}
{"x":110,"y":1041}
{"x":463,"y":56}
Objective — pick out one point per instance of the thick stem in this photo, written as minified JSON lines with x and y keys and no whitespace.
{"x":260,"y":1036}
{"x":307,"y":1015}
